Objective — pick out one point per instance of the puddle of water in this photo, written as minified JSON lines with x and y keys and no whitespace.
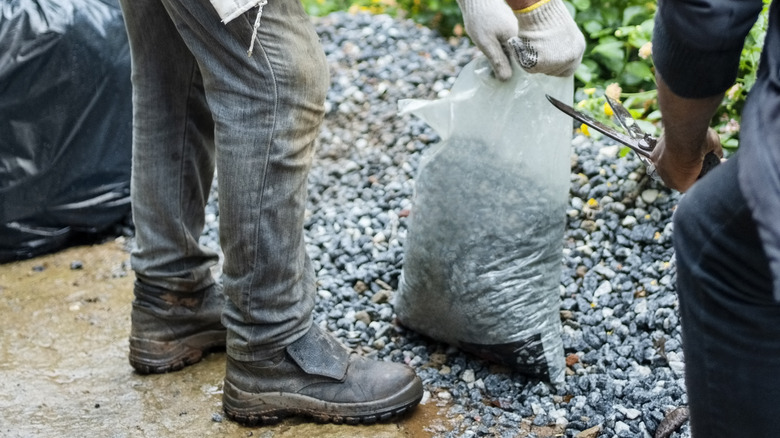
{"x":63,"y":357}
{"x":427,"y":420}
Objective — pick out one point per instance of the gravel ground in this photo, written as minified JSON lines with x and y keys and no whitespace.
{"x":621,"y":331}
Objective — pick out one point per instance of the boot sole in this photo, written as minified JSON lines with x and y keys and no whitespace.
{"x":253,"y":409}
{"x":156,"y":357}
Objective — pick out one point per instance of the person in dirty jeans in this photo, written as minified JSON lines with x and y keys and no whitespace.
{"x":727,"y":226}
{"x":200,"y":103}
{"x":199,"y":100}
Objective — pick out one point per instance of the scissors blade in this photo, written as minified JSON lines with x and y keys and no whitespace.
{"x":623,"y":116}
{"x":625,"y":119}
{"x":600,"y":127}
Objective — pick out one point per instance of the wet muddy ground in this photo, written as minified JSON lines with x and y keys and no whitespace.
{"x":63,"y":360}
{"x":65,"y":319}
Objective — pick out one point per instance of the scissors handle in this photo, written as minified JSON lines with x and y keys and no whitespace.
{"x":710,"y":162}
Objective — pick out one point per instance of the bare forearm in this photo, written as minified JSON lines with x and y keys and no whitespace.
{"x":687,"y":138}
{"x":685,"y":121}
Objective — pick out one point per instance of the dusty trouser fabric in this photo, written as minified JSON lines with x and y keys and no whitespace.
{"x":730,"y":319}
{"x":727,"y":232}
{"x":200,"y":101}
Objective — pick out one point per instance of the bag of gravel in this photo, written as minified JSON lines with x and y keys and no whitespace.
{"x":482,"y":256}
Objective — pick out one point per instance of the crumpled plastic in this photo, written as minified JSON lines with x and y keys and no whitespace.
{"x":483,"y":252}
{"x":65,"y":122}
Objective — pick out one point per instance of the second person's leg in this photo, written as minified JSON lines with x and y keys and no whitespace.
{"x":730,"y":320}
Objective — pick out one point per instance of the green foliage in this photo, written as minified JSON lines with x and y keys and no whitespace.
{"x":319,"y":8}
{"x":615,"y":30}
{"x":617,"y":56}
{"x":441,"y":15}
{"x":618,"y":35}
{"x":727,"y":119}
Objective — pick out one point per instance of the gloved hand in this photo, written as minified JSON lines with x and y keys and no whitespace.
{"x":543,"y":37}
{"x":549,"y":40}
{"x":490,"y":24}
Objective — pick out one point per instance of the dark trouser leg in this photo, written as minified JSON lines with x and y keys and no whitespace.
{"x":177,"y":308}
{"x":730,"y":321}
{"x":173,"y":153}
{"x":267,"y":111}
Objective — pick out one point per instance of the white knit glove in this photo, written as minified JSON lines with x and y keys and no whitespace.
{"x":549,"y":40}
{"x":543,"y":37}
{"x":490,"y":23}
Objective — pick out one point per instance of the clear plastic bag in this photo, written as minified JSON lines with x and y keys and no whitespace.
{"x":483,"y":252}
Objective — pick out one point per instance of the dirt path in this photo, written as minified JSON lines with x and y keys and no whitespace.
{"x":63,"y":362}
{"x":64,"y":324}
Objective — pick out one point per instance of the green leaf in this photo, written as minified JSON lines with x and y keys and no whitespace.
{"x":592,"y":27}
{"x":633,"y":15}
{"x":647,"y":126}
{"x":570,"y":7}
{"x":587,"y":71}
{"x":639,"y":35}
{"x":581,"y":5}
{"x":611,"y":15}
{"x":611,"y":54}
{"x":654,"y":116}
{"x":731,"y":144}
{"x":637,"y":72}
{"x":604,"y":32}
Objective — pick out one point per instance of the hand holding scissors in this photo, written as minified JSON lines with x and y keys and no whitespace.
{"x":637,"y":140}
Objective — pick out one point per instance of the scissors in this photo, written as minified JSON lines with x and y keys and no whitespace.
{"x":637,"y":140}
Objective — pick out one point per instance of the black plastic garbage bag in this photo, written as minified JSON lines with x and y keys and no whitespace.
{"x":65,"y":123}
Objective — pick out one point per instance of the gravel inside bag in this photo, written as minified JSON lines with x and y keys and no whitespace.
{"x":482,"y":259}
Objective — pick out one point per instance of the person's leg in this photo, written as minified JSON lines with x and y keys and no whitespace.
{"x":267,"y":111}
{"x":730,"y":321}
{"x":177,"y":308}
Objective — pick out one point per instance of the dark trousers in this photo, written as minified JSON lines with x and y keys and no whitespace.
{"x":730,"y":321}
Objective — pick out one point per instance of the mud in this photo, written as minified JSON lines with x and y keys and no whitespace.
{"x":64,"y":325}
{"x":63,"y":361}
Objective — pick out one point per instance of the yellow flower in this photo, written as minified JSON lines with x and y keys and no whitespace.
{"x":589,"y":91}
{"x":584,"y":130}
{"x":608,"y":109}
{"x":592,"y":203}
{"x":613,"y":91}
{"x":646,"y":50}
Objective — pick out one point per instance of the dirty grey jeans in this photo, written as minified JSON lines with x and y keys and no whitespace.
{"x":198,"y":102}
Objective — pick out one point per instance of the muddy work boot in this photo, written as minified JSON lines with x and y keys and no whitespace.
{"x":171,"y":330}
{"x":318,"y":378}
